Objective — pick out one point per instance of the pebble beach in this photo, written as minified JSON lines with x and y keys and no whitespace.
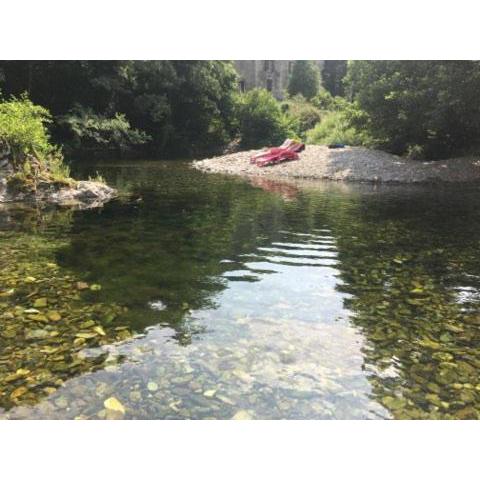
{"x":355,"y":164}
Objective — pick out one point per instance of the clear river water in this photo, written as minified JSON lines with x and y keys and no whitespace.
{"x":199,"y":296}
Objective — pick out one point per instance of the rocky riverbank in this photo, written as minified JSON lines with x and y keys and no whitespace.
{"x":355,"y":164}
{"x":78,"y":193}
{"x":45,"y":189}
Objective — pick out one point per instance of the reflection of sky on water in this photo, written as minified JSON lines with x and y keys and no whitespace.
{"x":292,"y":279}
{"x":467,"y":294}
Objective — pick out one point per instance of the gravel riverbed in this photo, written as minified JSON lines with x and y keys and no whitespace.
{"x":356,"y":164}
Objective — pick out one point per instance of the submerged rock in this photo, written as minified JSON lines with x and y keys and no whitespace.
{"x":242,"y":415}
{"x":114,"y":405}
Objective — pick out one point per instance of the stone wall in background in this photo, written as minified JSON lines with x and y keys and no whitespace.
{"x":270,"y":74}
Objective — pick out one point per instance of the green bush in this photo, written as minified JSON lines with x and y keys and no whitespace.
{"x":261,"y":120}
{"x":324,"y":100}
{"x":90,"y":131}
{"x":23,"y":128}
{"x":302,"y":113}
{"x":336,"y":127}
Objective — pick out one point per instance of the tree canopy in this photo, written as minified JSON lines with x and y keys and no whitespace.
{"x":181,"y":106}
{"x":261,"y":120}
{"x":423,"y":108}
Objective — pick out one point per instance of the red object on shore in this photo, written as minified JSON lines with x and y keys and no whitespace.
{"x":287,"y":151}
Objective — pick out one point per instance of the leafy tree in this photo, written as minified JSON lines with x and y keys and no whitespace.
{"x":261,"y":121}
{"x":423,"y":108}
{"x":333,"y":73}
{"x":185,"y":106}
{"x":59,"y":85}
{"x":304,"y":79}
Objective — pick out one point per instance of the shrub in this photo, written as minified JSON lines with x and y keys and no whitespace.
{"x":304,"y":79}
{"x":23,"y":126}
{"x":336,"y":127}
{"x":304,"y":115}
{"x":261,"y":120}
{"x":23,"y":129}
{"x":323,"y":100}
{"x":90,"y":131}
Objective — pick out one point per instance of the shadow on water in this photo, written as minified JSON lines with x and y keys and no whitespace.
{"x":258,"y":298}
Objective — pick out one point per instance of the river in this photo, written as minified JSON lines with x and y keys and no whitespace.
{"x":197,"y":296}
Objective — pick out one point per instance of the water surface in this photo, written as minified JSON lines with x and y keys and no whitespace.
{"x":203,"y":296}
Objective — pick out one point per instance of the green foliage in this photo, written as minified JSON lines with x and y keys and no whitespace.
{"x":338,"y":122}
{"x":23,"y":128}
{"x":58,"y":171}
{"x":421,"y":108}
{"x":304,"y":79}
{"x":204,"y":104}
{"x":92,"y":131}
{"x":261,"y":120}
{"x":324,"y":100}
{"x":185,"y":107}
{"x":304,"y":115}
{"x":335,"y":127}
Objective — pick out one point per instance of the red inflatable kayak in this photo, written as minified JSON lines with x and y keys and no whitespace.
{"x":287,"y":151}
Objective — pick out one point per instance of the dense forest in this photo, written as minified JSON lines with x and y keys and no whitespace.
{"x":421,"y":109}
{"x":171,"y":107}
